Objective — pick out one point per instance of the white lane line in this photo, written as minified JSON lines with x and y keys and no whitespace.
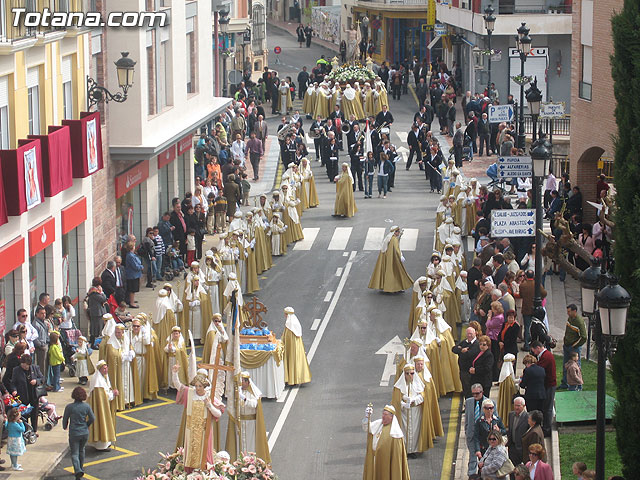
{"x":345,"y":254}
{"x":375,"y":235}
{"x":316,"y":324}
{"x":310,"y":235}
{"x":409,"y":239}
{"x":338,"y":271}
{"x":402,"y":136}
{"x":283,"y":396}
{"x":327,"y":297}
{"x":312,"y":351}
{"x":340,"y":238}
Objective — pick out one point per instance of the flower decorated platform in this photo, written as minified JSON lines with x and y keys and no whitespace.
{"x":351,"y":73}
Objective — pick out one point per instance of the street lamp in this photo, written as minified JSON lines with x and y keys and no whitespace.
{"x":489,"y":23}
{"x":540,"y":155}
{"x":523,"y":45}
{"x":534,"y":97}
{"x":125,"y":68}
{"x":589,"y":283}
{"x":223,"y":23}
{"x":609,"y":307}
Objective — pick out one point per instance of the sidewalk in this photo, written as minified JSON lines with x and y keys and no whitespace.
{"x":291,"y":29}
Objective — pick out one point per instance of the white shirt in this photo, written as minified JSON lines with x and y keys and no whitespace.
{"x":532,"y":472}
{"x":237,"y":151}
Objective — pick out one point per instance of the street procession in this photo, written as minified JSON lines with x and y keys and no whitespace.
{"x":342,"y":246}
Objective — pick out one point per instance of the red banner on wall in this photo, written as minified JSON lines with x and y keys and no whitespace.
{"x":184,"y":144}
{"x":86,"y":144}
{"x":57,"y":167}
{"x":167,"y":156}
{"x":22,"y":176}
{"x":131,"y":178}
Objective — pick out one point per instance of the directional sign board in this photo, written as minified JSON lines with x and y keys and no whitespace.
{"x":439,"y":30}
{"x":552,"y":110}
{"x":509,"y":167}
{"x":500,"y":113}
{"x":513,"y":223}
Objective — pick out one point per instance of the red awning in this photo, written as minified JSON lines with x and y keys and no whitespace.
{"x":22,"y":177}
{"x":41,"y":236}
{"x":73,"y":215}
{"x":167,"y":156}
{"x":11,"y":256}
{"x":86,"y":144}
{"x":56,"y":159}
{"x":132,"y":178}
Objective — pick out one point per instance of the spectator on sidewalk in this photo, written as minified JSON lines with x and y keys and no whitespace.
{"x":255,"y":152}
{"x":473,"y":412}
{"x":573,"y":373}
{"x":77,"y":418}
{"x":547,"y":361}
{"x":42,"y":342}
{"x":532,"y":381}
{"x":533,"y":434}
{"x":133,"y":272}
{"x":466,"y":350}
{"x":24,"y":380}
{"x":484,"y":134}
{"x":575,"y":335}
{"x":539,"y":470}
{"x":488,"y":422}
{"x":518,"y":425}
{"x":527,"y":291}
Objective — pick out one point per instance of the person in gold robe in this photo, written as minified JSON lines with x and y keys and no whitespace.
{"x":284,"y":90}
{"x":323,"y":100}
{"x":419,"y":287}
{"x":145,"y":359}
{"x":431,"y":343}
{"x":507,"y":387}
{"x":345,"y":205}
{"x":164,"y":320}
{"x":176,"y":352}
{"x":448,"y":359}
{"x":430,"y":397}
{"x":386,"y":457}
{"x":84,"y":364}
{"x":389,"y":274}
{"x":296,"y":366}
{"x":102,"y":432}
{"x":308,"y":101}
{"x":352,"y":103}
{"x":216,"y":335}
{"x":276,"y":233}
{"x":290,"y":215}
{"x":309,"y":183}
{"x":123,"y":370}
{"x":253,"y":434}
{"x":199,"y":309}
{"x":199,"y":444}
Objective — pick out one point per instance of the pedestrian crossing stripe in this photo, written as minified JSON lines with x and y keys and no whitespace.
{"x":402,"y":136}
{"x":372,"y":242}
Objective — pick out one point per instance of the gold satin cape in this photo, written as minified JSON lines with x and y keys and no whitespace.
{"x":436,"y":419}
{"x":114,"y":361}
{"x":389,"y":461}
{"x":345,"y":202}
{"x":430,"y":410}
{"x":150,"y":387}
{"x":103,"y":429}
{"x":506,"y":392}
{"x":262,"y":445}
{"x":389,"y":274}
{"x":164,"y":332}
{"x":296,"y":366}
{"x":312,"y":192}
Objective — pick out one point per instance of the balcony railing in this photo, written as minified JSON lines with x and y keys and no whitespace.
{"x":561,"y":126}
{"x":519,"y":8}
{"x":11,"y":34}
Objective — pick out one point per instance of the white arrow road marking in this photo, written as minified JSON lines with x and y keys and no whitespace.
{"x":392,"y":347}
{"x":403,"y":152}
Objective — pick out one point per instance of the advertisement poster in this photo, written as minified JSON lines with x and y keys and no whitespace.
{"x":92,"y":146}
{"x":31,"y":178}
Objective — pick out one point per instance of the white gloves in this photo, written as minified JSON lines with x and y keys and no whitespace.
{"x":194,"y":303}
{"x":405,"y":398}
{"x":405,"y":405}
{"x":402,"y":258}
{"x":241,"y":396}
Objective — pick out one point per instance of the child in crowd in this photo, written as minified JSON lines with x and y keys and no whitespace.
{"x":211,"y":214}
{"x":68,"y":313}
{"x":84,"y":364}
{"x":56,"y":359}
{"x":191,"y":246}
{"x":50,"y":408}
{"x":220,"y":208}
{"x":578,"y":469}
{"x":173,"y":252}
{"x":574,"y":374}
{"x":15,"y":443}
{"x":121,"y":313}
{"x":246,"y":186}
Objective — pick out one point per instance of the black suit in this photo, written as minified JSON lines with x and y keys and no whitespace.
{"x":500,"y":273}
{"x":317,"y":142}
{"x":515,"y":433}
{"x":383,"y":117}
{"x":413,"y":141}
{"x":21,"y":383}
{"x":357,"y":153}
{"x":109,"y":283}
{"x":484,"y":371}
{"x":464,"y":363}
{"x":533,"y":382}
{"x":179,"y":233}
{"x":421,"y":93}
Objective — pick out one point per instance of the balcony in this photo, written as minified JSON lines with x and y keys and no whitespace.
{"x":398,"y":2}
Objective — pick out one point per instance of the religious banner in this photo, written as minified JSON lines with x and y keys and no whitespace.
{"x":92,"y":146}
{"x":31,"y":178}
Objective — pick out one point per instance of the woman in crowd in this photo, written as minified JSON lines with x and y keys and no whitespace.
{"x":77,"y":418}
{"x":534,"y":434}
{"x":528,"y":262}
{"x":538,"y":469}
{"x":12,"y":361}
{"x":532,"y":381}
{"x":481,"y":368}
{"x":488,"y":423}
{"x":25,"y":380}
{"x":201,"y":228}
{"x":494,"y":457}
{"x":11,"y":338}
{"x":133,"y":273}
{"x":97,"y":303}
{"x":509,"y":335}
{"x":495,"y":321}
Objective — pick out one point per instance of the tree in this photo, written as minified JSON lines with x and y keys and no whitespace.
{"x":625,"y":63}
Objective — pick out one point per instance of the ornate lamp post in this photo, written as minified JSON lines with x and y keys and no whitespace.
{"x":523,"y":44}
{"x":125,"y":68}
{"x":534,"y":97}
{"x":489,"y":23}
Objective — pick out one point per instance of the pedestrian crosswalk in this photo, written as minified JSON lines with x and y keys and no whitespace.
{"x":343,"y":238}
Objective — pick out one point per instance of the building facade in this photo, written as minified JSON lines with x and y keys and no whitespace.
{"x":593,"y":123}
{"x":49,"y":156}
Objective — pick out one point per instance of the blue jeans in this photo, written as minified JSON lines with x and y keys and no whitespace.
{"x":76,"y":447}
{"x":527,"y":327}
{"x":158,"y":270}
{"x":472,"y":466}
{"x":55,"y":377}
{"x":574,"y":388}
{"x":177,"y":263}
{"x":383,"y":180}
{"x":368,"y":185}
{"x":567,"y":350}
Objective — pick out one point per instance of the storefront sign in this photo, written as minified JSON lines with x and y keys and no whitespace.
{"x":131,"y":178}
{"x":11,"y":256}
{"x":167,"y":156}
{"x":73,"y":215}
{"x":41,"y":236}
{"x":184,"y":144}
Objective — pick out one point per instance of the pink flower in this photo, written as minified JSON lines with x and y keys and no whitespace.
{"x":246,"y":459}
{"x":252,"y":469}
{"x":245,"y":469}
{"x":151,"y":477}
{"x":232,"y":471}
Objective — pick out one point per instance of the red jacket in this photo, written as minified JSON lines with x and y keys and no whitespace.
{"x":548,"y":362}
{"x":543,"y":471}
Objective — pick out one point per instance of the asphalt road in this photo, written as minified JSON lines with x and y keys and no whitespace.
{"x":315,"y":430}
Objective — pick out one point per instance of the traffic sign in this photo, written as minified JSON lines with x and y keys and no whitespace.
{"x":513,"y":223}
{"x":439,"y":30}
{"x":509,"y":167}
{"x":246,"y":37}
{"x":552,"y":110}
{"x":277,"y":50}
{"x":500,"y":113}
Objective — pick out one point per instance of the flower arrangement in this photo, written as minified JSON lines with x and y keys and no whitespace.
{"x":493,"y":51}
{"x":521,"y":79}
{"x":246,"y":467}
{"x":349,"y":73}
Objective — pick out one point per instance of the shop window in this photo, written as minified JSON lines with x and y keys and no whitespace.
{"x":70,"y":265}
{"x":129,"y":214}
{"x":37,"y":275}
{"x":7,"y":302}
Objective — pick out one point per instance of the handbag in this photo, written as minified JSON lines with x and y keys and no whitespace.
{"x":506,"y":469}
{"x":41,"y":391}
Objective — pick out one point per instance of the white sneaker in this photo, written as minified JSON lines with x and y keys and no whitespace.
{"x":17,"y":468}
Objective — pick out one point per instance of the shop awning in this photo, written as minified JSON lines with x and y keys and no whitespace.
{"x":22,"y":177}
{"x":86,"y":144}
{"x":56,"y":159}
{"x":11,"y":256}
{"x":433,"y":42}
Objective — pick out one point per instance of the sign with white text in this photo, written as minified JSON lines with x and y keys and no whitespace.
{"x":509,"y":167}
{"x":500,"y":113}
{"x":513,"y":223}
{"x":552,"y":110}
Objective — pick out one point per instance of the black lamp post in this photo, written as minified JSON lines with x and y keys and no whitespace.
{"x":540,"y":155}
{"x":589,"y":284}
{"x":125,"y":68}
{"x":534,"y":97}
{"x":489,"y":23}
{"x":523,"y":44}
{"x":608,"y":302}
{"x":223,"y":22}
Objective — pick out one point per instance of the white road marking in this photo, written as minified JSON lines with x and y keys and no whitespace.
{"x":402,"y":136}
{"x":409,"y":239}
{"x":391,"y":348}
{"x":338,"y":271}
{"x":340,"y":238}
{"x":282,"y":397}
{"x":345,"y":254}
{"x":316,"y":324}
{"x":375,"y":235}
{"x":273,"y":438}
{"x":327,"y":297}
{"x":310,"y":235}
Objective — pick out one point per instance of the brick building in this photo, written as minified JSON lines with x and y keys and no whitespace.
{"x":592,"y":101}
